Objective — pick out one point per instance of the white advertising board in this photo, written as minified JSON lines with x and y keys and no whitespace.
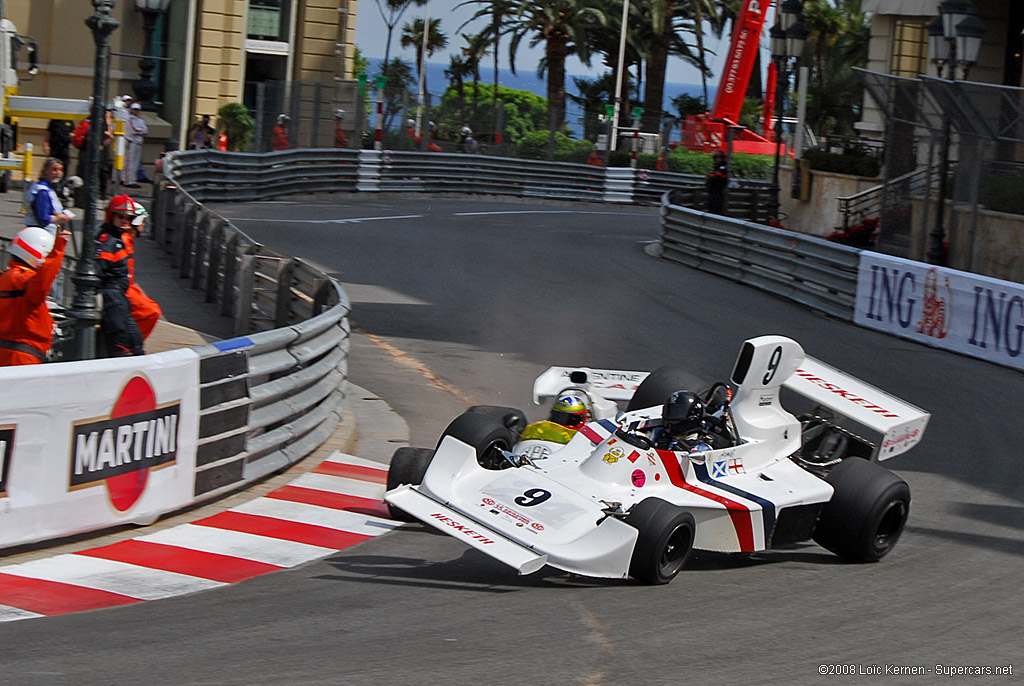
{"x":96,"y":444}
{"x":945,"y":308}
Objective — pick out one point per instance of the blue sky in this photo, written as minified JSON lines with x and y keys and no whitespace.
{"x":371,"y":35}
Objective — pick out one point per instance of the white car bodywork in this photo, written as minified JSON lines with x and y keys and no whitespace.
{"x":567,"y":509}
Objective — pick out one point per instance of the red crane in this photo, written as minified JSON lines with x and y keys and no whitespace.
{"x":707,"y":132}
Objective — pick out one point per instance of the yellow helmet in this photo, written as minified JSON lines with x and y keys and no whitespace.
{"x":570,"y":410}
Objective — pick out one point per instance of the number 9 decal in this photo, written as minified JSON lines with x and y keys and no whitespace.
{"x":534,"y":496}
{"x":773,"y":366}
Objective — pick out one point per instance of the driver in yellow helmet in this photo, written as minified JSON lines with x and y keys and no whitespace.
{"x":568,"y":414}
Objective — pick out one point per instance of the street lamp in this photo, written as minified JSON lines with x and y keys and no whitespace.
{"x":85,"y":308}
{"x":144,"y":88}
{"x":959,"y":43}
{"x":788,"y":35}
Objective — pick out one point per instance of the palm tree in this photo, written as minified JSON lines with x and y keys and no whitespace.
{"x":497,"y":11}
{"x":391,"y":12}
{"x":667,"y":22}
{"x":561,"y":25}
{"x":473,"y":52}
{"x":457,"y":71}
{"x":412,"y":36}
{"x":838,"y":41}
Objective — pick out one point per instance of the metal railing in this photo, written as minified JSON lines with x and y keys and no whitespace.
{"x":805,"y":269}
{"x":276,"y":392}
{"x":213,"y":175}
{"x":868,"y":203}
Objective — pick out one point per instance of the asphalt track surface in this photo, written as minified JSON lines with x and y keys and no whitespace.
{"x":459,"y":301}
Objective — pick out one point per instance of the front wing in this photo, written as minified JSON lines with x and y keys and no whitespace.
{"x":520,"y":517}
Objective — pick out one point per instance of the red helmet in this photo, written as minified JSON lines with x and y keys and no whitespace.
{"x":123,"y":204}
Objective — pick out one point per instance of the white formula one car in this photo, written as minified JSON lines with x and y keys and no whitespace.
{"x":613,"y":503}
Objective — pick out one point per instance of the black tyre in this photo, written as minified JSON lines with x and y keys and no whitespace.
{"x":867,"y":512}
{"x":512,"y":418}
{"x":408,"y":465}
{"x":660,"y":384}
{"x":664,"y":542}
{"x":488,"y":435}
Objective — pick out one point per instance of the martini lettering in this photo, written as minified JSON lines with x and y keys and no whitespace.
{"x":126,"y":444}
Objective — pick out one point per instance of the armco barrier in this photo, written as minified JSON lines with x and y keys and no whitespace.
{"x":803,"y":268}
{"x":214,"y":175}
{"x":95,"y":444}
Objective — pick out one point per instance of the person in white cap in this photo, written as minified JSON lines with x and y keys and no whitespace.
{"x":26,"y":326}
{"x":135,"y":130}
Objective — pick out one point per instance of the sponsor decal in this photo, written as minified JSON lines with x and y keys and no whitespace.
{"x":517,"y":518}
{"x":120,"y":450}
{"x":638,"y":478}
{"x":848,"y":395}
{"x":614,"y":455}
{"x":903,"y":438}
{"x":460,"y":528}
{"x":6,"y":454}
{"x":972,"y":314}
{"x":764,"y":400}
{"x":937,"y":306}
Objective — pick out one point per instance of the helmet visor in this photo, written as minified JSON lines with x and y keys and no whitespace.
{"x":569,"y":419}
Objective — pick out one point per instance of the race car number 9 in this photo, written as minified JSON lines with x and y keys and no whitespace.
{"x":533,"y":496}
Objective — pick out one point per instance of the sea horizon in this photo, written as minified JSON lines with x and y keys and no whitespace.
{"x":527,"y":80}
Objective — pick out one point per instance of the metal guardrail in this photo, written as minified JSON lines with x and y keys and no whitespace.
{"x":808,"y":270}
{"x":275,"y":393}
{"x":213,"y":175}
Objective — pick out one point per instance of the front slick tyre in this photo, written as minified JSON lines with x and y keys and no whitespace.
{"x":408,"y":465}
{"x":487,"y":434}
{"x":664,"y":541}
{"x":867,"y":512}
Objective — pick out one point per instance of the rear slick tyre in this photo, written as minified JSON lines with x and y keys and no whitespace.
{"x":867,"y":512}
{"x":660,"y":384}
{"x":664,"y":540}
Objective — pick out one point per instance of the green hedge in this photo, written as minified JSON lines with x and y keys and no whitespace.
{"x":1002,"y":193}
{"x":856,"y":165}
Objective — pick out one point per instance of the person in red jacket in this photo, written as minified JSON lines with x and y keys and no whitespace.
{"x":145,"y":311}
{"x":26,"y":327}
{"x":279,"y":134}
{"x":120,"y":332}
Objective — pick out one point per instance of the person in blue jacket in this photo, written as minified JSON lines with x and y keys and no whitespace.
{"x":42,"y":204}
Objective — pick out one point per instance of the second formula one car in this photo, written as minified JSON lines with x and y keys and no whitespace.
{"x":632,"y":493}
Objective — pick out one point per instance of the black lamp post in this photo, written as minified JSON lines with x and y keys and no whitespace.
{"x":85,"y":308}
{"x":144,"y":88}
{"x":787,"y":40}
{"x":953,"y":37}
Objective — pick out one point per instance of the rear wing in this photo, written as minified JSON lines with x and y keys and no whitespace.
{"x":893,"y":425}
{"x":613,"y":384}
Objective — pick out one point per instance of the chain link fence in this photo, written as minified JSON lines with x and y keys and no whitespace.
{"x":309,"y":109}
{"x":966,"y":140}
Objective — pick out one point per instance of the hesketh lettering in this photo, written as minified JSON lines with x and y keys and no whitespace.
{"x":848,"y":395}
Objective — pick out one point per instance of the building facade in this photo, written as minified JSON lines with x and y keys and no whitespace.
{"x":899,"y":45}
{"x":208,"y":53}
